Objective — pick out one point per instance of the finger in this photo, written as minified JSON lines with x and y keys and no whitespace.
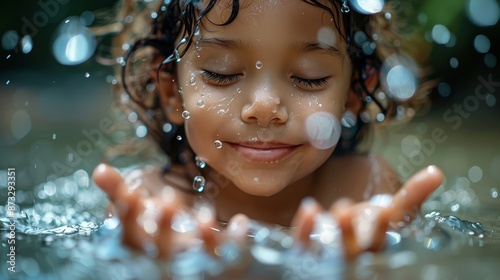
{"x":379,"y":235}
{"x":133,"y":235}
{"x":343,"y":214}
{"x":237,"y":227}
{"x":164,"y":236}
{"x":108,"y":179}
{"x":304,"y":219}
{"x":206,"y":220}
{"x":415,"y":191}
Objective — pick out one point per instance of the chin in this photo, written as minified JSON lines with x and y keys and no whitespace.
{"x":259,"y":187}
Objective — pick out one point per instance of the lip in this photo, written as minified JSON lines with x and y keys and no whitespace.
{"x":264,"y":152}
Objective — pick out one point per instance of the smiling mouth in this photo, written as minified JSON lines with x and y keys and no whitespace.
{"x":264,"y":152}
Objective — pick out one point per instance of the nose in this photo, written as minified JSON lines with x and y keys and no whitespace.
{"x":265,"y":109}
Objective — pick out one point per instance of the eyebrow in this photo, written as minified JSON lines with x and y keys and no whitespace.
{"x":315,"y":47}
{"x":223,"y":43}
{"x":302,"y":46}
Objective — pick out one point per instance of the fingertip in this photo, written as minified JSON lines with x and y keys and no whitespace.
{"x":107,"y":178}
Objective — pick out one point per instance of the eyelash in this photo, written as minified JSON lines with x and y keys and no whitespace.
{"x":220,"y":79}
{"x":311,"y":83}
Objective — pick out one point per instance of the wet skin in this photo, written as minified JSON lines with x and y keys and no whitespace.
{"x":259,"y":79}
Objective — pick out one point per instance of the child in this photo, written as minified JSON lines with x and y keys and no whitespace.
{"x":248,"y":100}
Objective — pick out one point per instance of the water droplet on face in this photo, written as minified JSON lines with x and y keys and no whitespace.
{"x":186,"y":115}
{"x":238,"y":90}
{"x":200,"y":103}
{"x":258,"y":64}
{"x":217,"y":144}
{"x":192,"y":80}
{"x":221,"y":112}
{"x":180,"y":90}
{"x":199,"y":183}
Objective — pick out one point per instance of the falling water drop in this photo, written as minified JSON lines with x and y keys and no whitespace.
{"x":8,"y":82}
{"x":200,"y":103}
{"x":217,"y":144}
{"x":186,"y":115}
{"x":258,"y":64}
{"x":199,"y":183}
{"x":179,"y":138}
{"x":87,"y":75}
{"x":200,"y":162}
{"x":54,"y":136}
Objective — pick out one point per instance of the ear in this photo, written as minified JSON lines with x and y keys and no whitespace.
{"x":167,"y":89}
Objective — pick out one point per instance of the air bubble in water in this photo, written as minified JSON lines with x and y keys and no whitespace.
{"x":199,"y":183}
{"x":217,"y":144}
{"x":258,"y":64}
{"x":186,"y":115}
{"x":200,"y":103}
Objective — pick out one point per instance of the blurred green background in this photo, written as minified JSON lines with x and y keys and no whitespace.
{"x":63,"y":104}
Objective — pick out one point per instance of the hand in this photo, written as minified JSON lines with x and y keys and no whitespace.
{"x":364,"y":224}
{"x":146,"y":206}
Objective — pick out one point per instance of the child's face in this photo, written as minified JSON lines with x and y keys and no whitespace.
{"x":270,"y":87}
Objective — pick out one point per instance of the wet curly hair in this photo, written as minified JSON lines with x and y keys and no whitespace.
{"x":165,"y":21}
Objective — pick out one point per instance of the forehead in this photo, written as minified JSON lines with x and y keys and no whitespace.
{"x":295,"y":15}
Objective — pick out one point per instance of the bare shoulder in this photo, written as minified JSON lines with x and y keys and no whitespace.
{"x":357,"y":177}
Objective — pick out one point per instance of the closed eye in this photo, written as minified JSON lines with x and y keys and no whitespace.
{"x":220,"y":79}
{"x":310,"y":83}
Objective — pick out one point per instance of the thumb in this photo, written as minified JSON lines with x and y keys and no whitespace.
{"x":415,"y":191}
{"x":108,"y":179}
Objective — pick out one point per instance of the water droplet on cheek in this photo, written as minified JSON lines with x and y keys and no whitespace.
{"x":217,"y":144}
{"x":200,"y":103}
{"x":258,"y":64}
{"x":186,"y":115}
{"x":192,"y":80}
{"x":222,"y":112}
